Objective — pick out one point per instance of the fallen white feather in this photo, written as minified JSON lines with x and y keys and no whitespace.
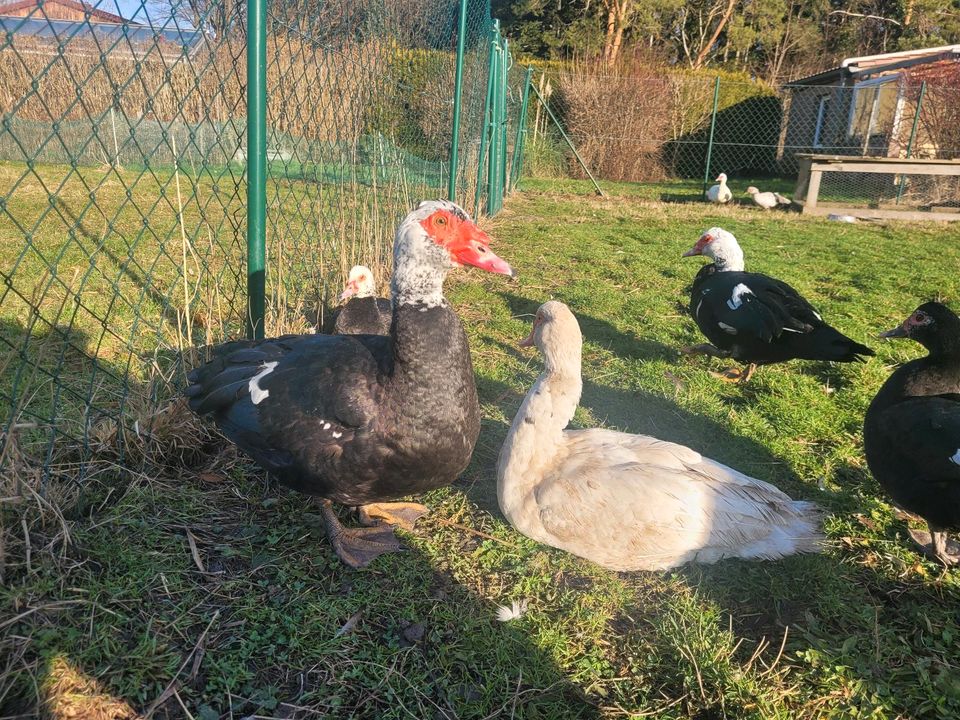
{"x":516,"y":610}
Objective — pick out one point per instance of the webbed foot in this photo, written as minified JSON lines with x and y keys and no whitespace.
{"x":401,"y":514}
{"x":358,"y":547}
{"x":936,"y":545}
{"x":736,"y":375}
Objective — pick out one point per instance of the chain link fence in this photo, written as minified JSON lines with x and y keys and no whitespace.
{"x":124,"y":177}
{"x":684,"y":130}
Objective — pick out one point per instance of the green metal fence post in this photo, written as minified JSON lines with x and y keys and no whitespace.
{"x":713,"y":127}
{"x":496,"y":108}
{"x":502,"y":181}
{"x":486,"y":124}
{"x":568,"y":140}
{"x":457,"y":91}
{"x":913,"y":135}
{"x":516,"y":163}
{"x":256,"y":165}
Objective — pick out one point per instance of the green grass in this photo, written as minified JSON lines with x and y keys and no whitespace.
{"x":868,"y":629}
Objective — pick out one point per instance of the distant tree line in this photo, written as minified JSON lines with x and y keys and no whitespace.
{"x":773,"y":39}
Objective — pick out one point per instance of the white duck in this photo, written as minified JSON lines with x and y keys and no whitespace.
{"x":630,"y":502}
{"x":767,"y":200}
{"x":720,"y":193}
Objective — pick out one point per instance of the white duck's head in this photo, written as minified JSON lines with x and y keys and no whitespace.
{"x":752,"y":190}
{"x":556,"y":333}
{"x":360,"y":283}
{"x":721,"y":178}
{"x":432,"y":239}
{"x":721,"y":247}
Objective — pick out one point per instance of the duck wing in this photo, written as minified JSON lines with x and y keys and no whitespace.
{"x":732,"y":306}
{"x":291,"y":396}
{"x":920,"y":438}
{"x":636,"y":502}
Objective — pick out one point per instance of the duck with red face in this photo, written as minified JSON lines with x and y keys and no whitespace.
{"x":754,"y":318}
{"x":364,"y":419}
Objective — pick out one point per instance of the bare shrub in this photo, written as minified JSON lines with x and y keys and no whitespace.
{"x":619,"y":116}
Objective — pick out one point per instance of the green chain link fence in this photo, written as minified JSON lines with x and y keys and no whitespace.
{"x":129,"y":187}
{"x":683,"y":129}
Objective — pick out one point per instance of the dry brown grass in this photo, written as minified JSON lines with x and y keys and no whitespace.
{"x":68,"y":694}
{"x":316,"y":94}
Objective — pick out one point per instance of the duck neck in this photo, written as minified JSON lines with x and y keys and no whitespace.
{"x":728,"y":258}
{"x":536,"y":433}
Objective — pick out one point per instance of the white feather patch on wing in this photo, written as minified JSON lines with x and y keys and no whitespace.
{"x":727,"y":328}
{"x":516,"y":610}
{"x":955,"y":458}
{"x":736,"y":298}
{"x":258,"y":394}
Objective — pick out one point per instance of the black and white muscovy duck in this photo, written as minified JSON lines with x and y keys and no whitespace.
{"x":754,"y":318}
{"x":362,"y":419}
{"x":364,"y":313}
{"x":911,"y":432}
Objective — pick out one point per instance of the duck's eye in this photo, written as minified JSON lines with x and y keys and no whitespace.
{"x":441,"y":220}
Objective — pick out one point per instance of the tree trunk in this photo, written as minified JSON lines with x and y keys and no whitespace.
{"x":611,"y":31}
{"x":617,"y":13}
{"x":705,"y":50}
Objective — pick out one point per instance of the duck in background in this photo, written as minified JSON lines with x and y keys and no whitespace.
{"x":364,"y":419}
{"x":720,"y":193}
{"x":756,"y":319}
{"x":630,"y":502}
{"x":767,"y":200}
{"x":364,"y":313}
{"x":911,"y":431}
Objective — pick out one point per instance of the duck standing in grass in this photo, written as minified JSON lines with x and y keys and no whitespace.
{"x":911,"y":432}
{"x":630,"y":502}
{"x":767,"y":200}
{"x":756,"y":319}
{"x":720,"y":193}
{"x":363,"y":419}
{"x":364,"y":312}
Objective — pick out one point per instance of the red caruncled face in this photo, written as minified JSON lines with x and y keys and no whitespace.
{"x":466,"y":243}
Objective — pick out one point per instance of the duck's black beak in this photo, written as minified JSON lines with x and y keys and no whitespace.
{"x":898,"y":332}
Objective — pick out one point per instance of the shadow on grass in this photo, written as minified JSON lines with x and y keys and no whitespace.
{"x":595,"y":330}
{"x":229,"y":600}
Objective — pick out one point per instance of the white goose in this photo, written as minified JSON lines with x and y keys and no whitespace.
{"x":630,"y":502}
{"x":720,"y":193}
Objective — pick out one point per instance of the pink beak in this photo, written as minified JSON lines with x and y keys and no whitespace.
{"x":472,"y":247}
{"x":349,"y":290}
{"x":527,"y":341}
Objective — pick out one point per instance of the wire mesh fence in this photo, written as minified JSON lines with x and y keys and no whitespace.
{"x":661,"y":127}
{"x":123,"y":187}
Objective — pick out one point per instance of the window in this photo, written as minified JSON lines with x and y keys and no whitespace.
{"x":874,"y":109}
{"x":819,"y":130}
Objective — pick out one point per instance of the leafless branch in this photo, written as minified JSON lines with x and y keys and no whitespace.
{"x":867,"y":17}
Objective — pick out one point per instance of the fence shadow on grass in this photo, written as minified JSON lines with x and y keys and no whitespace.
{"x":193,"y":566}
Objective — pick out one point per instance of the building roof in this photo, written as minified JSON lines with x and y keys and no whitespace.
{"x":868,"y":64}
{"x":95,"y":14}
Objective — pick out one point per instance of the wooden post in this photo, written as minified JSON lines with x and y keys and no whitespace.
{"x":813,"y":189}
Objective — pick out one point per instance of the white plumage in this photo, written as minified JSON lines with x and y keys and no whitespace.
{"x":767,"y":200}
{"x":720,"y":193}
{"x":630,"y":502}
